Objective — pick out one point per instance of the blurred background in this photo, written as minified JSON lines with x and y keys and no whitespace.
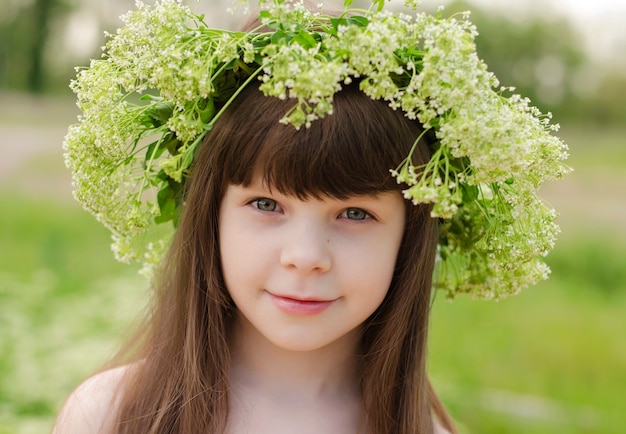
{"x":551,"y":360}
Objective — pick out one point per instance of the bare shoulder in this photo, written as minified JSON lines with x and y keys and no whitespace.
{"x":92,"y":406}
{"x":440,"y":430}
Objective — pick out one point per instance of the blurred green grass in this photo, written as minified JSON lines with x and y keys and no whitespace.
{"x":64,"y":304}
{"x":552,"y":359}
{"x":549,"y":360}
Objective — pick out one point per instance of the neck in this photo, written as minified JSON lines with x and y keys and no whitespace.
{"x":259,"y":364}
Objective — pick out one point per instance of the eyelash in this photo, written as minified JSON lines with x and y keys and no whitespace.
{"x":256,"y":203}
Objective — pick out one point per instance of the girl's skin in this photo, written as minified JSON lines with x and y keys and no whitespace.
{"x":304,"y":276}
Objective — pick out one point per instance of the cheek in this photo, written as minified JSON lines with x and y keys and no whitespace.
{"x":371,"y":269}
{"x":230,"y":247}
{"x":233,"y":252}
{"x":244,"y":255}
{"x":385,"y":259}
{"x":376,"y":277}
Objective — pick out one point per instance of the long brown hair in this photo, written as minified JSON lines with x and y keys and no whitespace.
{"x":179,"y":382}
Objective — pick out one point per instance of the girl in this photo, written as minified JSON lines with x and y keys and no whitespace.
{"x":295,"y":294}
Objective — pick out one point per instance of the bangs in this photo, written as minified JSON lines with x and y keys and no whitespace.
{"x":350,"y":152}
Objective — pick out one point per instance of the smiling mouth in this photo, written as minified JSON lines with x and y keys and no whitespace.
{"x":294,"y":306}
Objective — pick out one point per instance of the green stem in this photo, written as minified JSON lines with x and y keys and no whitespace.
{"x":407,"y":160}
{"x":210,"y":125}
{"x":147,"y":170}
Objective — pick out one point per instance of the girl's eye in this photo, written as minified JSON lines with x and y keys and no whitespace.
{"x":355,"y":214}
{"x":265,"y":204}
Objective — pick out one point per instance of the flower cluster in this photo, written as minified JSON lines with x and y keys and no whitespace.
{"x":165,"y":78}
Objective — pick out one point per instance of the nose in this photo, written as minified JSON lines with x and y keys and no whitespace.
{"x":307,"y":247}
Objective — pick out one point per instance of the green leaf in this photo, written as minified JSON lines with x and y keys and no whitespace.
{"x":264,"y":15}
{"x":187,"y":158}
{"x":156,"y":148}
{"x":470,"y":192}
{"x":158,"y":114}
{"x":336,"y":22}
{"x":169,"y":198}
{"x":162,"y":176}
{"x":173,"y":145}
{"x":359,"y":21}
{"x":280,"y":37}
{"x":167,"y":205}
{"x":208,"y":112}
{"x":149,"y":97}
{"x":164,"y":111}
{"x":380,"y":4}
{"x":305,"y":39}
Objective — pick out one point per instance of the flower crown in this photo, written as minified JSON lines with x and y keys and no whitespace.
{"x":166,"y":77}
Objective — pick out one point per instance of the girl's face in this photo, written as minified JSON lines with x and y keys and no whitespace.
{"x":305,"y":273}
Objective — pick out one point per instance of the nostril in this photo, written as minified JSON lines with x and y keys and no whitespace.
{"x":307,"y":256}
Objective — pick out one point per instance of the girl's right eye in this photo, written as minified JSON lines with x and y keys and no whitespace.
{"x":264,"y":204}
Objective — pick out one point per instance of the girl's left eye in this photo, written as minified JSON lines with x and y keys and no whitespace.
{"x":265,"y":204}
{"x":355,"y":214}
